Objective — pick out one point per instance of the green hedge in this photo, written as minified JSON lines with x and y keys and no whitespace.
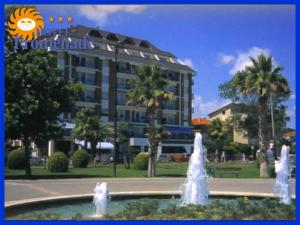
{"x":80,"y":159}
{"x":16,"y":159}
{"x":140,"y":162}
{"x":58,"y":162}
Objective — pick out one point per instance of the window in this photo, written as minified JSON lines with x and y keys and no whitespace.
{"x":90,"y":62}
{"x":95,"y":33}
{"x":223,"y":112}
{"x":121,"y":99}
{"x":144,"y":44}
{"x":90,"y":78}
{"x":171,"y":60}
{"x":121,"y":115}
{"x":109,"y":48}
{"x":60,"y":60}
{"x":90,"y":95}
{"x":129,"y":41}
{"x":82,"y":61}
{"x":126,"y":51}
{"x":112,"y":37}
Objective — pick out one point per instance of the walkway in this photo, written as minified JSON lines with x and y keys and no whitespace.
{"x":24,"y":190}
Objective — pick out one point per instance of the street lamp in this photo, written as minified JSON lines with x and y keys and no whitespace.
{"x":117,"y":47}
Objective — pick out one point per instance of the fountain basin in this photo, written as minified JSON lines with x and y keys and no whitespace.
{"x":69,"y":206}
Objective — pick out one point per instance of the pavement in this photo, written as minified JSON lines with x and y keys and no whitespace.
{"x":17,"y":191}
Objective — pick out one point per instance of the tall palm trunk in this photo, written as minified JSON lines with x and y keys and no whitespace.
{"x":93,"y":151}
{"x":27,"y":156}
{"x":262,"y":105}
{"x":152,"y":145}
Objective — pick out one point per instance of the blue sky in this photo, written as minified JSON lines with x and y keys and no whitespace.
{"x":215,"y":40}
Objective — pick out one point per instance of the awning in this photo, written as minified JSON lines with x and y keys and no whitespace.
{"x":179,"y":130}
{"x":67,"y":124}
{"x":100,"y":145}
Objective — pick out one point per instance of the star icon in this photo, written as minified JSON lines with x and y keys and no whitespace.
{"x":51,"y":19}
{"x":60,"y":19}
{"x":70,"y":19}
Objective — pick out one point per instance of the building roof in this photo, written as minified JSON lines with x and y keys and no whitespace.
{"x":109,"y":38}
{"x":201,"y":121}
{"x":291,"y":133}
{"x":217,"y":111}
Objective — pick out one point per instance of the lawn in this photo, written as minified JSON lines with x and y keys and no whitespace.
{"x":170,"y":169}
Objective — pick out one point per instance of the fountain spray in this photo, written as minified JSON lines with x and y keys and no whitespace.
{"x":282,"y":186}
{"x":195,"y":189}
{"x":100,"y":199}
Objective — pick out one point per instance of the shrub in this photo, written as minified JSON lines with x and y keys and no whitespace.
{"x":58,"y":162}
{"x":16,"y":159}
{"x":80,"y":159}
{"x":244,"y":148}
{"x":140,"y":162}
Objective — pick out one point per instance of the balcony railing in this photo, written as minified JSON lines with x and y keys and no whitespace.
{"x":124,"y":86}
{"x":121,"y":102}
{"x":170,"y":106}
{"x":139,"y":120}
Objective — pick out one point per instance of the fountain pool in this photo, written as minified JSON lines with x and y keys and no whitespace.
{"x":86,"y":209}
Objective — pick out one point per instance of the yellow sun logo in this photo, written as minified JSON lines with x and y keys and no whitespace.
{"x":26,"y":23}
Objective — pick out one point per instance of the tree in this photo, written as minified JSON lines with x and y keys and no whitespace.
{"x":90,"y":128}
{"x":34,"y":97}
{"x":149,"y":92}
{"x":122,"y":139}
{"x":255,"y":84}
{"x":218,"y":133}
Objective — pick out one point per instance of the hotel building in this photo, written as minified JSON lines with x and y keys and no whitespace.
{"x":96,"y":69}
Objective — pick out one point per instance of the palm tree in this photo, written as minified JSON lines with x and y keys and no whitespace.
{"x":149,"y":92}
{"x":258,"y":81}
{"x":90,"y":128}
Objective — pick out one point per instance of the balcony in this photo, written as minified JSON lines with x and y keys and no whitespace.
{"x":139,"y":120}
{"x":124,"y":86}
{"x":169,"y":122}
{"x":170,"y":106}
{"x":121,"y":102}
{"x":87,"y":99}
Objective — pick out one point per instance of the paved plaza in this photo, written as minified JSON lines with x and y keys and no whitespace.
{"x":26,"y":190}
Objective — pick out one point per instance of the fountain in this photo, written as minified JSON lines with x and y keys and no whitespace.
{"x":100,"y":199}
{"x":282,"y":186}
{"x":195,"y":189}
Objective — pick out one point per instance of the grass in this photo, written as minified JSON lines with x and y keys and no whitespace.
{"x":164,"y":169}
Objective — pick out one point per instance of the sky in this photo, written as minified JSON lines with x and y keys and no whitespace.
{"x":216,"y":40}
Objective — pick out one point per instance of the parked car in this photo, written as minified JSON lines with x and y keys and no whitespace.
{"x":109,"y":159}
{"x":179,"y":157}
{"x":163,"y":158}
{"x":37,"y":160}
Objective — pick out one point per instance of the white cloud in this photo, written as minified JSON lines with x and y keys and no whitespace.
{"x":100,"y":13}
{"x":225,"y":59}
{"x":243,"y":58}
{"x":291,"y":112}
{"x":188,"y":62}
{"x":202,"y":108}
{"x":293,"y":97}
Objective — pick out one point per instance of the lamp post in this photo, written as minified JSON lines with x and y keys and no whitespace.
{"x":117,"y":47}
